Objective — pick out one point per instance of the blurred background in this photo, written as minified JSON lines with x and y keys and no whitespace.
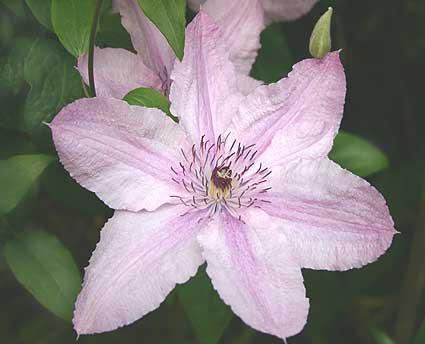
{"x":49,"y":225}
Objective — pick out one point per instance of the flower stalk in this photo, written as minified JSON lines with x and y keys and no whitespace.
{"x":91,"y":47}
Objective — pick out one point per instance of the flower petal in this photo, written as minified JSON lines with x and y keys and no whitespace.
{"x":117,"y":72}
{"x":333,"y":219}
{"x":204,"y":92}
{"x":121,"y":152}
{"x":148,"y":41}
{"x":138,"y":261}
{"x":298,"y":116}
{"x":252,"y":269}
{"x":283,"y":10}
{"x":247,"y":84}
{"x":275,"y":10}
{"x":241,"y":23}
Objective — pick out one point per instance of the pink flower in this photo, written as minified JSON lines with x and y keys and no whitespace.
{"x":242,"y":183}
{"x":118,"y":71}
{"x":274,"y":10}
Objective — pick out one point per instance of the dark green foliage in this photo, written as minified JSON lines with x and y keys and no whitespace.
{"x":383,"y":44}
{"x":41,"y":11}
{"x":44,"y":266}
{"x":54,"y":82}
{"x":358,"y":155}
{"x":72,"y":21}
{"x":169,"y":17}
{"x":208,"y":314}
{"x":17,"y":174}
{"x":150,"y":98}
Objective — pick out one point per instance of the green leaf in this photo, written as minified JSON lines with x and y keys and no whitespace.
{"x":274,"y":59}
{"x":16,"y":6}
{"x":208,"y":314}
{"x":6,"y":231}
{"x":72,"y":20}
{"x":7,"y":28}
{"x":169,"y":18}
{"x":151,"y":98}
{"x":41,"y":11}
{"x":111,"y":33}
{"x":45,"y":267}
{"x":12,"y":65}
{"x":17,"y":174}
{"x":14,"y":143}
{"x":420,"y":336}
{"x":42,"y":330}
{"x":57,"y":182}
{"x":54,"y":82}
{"x":380,"y":337}
{"x":358,"y":155}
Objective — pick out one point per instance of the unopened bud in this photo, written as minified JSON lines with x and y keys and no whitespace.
{"x":320,"y":39}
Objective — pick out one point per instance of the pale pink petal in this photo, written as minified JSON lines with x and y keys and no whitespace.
{"x":121,"y":152}
{"x":241,"y":23}
{"x":298,"y":116}
{"x":204,"y":91}
{"x":283,"y":10}
{"x":138,"y":261}
{"x":117,"y":71}
{"x":253,"y":271}
{"x":247,"y":84}
{"x":275,"y":10}
{"x":333,"y":219}
{"x":148,"y":41}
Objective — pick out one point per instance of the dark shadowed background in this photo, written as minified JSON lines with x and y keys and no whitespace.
{"x":383,"y":44}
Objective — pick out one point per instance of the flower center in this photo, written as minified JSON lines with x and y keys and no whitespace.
{"x":220,"y":183}
{"x":221,"y":175}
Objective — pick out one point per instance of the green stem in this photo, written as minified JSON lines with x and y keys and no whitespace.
{"x":91,"y":46}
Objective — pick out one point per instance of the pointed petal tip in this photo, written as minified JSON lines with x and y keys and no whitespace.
{"x":332,"y":59}
{"x":333,"y":55}
{"x":83,"y":326}
{"x":78,"y":325}
{"x":48,"y":124}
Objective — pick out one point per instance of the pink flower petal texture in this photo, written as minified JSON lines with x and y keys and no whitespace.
{"x":254,"y":273}
{"x":298,"y":116}
{"x":246,"y":84}
{"x":122,"y":153}
{"x":207,"y":80}
{"x":148,"y":41}
{"x":117,"y":72}
{"x":138,"y":261}
{"x":275,"y":10}
{"x":241,"y":182}
{"x":332,"y":219}
{"x":241,"y":23}
{"x":283,"y":10}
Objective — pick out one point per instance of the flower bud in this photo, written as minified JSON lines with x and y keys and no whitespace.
{"x":320,"y":39}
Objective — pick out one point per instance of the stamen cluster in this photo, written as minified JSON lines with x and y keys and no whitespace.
{"x":221,"y":175}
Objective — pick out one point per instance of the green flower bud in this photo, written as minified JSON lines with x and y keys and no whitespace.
{"x":320,"y":39}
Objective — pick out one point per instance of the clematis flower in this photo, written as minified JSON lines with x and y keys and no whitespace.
{"x":274,"y":10}
{"x":118,"y":71}
{"x":242,"y":183}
